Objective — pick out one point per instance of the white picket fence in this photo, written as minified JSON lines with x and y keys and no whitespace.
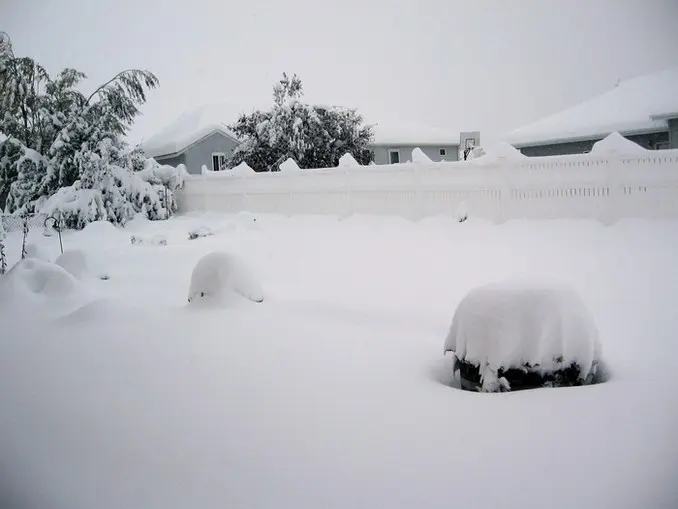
{"x":581,"y":186}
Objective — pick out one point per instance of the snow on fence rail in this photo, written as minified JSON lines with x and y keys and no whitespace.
{"x":606,"y":188}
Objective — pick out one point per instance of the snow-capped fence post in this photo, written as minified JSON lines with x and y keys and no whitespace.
{"x":25,"y":236}
{"x":3,"y":256}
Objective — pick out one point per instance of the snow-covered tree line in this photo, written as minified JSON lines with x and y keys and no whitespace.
{"x":314,"y":136}
{"x":64,"y":152}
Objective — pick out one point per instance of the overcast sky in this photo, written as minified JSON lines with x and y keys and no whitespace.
{"x":488,"y":65}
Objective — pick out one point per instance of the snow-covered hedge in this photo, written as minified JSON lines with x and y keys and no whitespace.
{"x":505,"y":332}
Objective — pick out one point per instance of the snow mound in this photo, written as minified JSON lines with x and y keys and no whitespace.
{"x":289,"y":165}
{"x":35,"y":251}
{"x":35,"y":276}
{"x":418,"y":156}
{"x":99,"y":229}
{"x":512,"y":323}
{"x":615,"y":143}
{"x":348,"y":161}
{"x":74,"y":262}
{"x":499,"y":152}
{"x":243,"y":169}
{"x":223,"y":278}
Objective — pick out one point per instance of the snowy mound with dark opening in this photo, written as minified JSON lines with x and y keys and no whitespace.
{"x":35,"y":276}
{"x":615,"y":143}
{"x":223,"y":278}
{"x":512,"y":324}
{"x":74,"y":262}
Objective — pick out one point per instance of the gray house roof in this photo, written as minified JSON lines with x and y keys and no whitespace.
{"x":635,"y":106}
{"x":190,"y":128}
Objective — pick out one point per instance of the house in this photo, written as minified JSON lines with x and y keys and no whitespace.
{"x":643,"y":109}
{"x":393,"y":143}
{"x":195,"y":139}
{"x":200,"y":137}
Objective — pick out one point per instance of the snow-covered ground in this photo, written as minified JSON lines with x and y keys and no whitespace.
{"x":334,"y":391}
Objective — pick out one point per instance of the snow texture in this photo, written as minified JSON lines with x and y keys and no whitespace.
{"x":35,"y":251}
{"x":74,"y":262}
{"x":634,"y":105}
{"x":615,"y":143}
{"x":499,"y":152}
{"x":241,"y":170}
{"x":348,"y":161}
{"x":289,"y":165}
{"x":223,"y":278}
{"x":418,"y":156}
{"x":35,"y":276}
{"x":514,"y":322}
{"x":334,"y":392}
{"x":192,"y":126}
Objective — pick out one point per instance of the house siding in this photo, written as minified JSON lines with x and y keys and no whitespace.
{"x":673,"y":133}
{"x":381,"y":152}
{"x":648,"y":141}
{"x":201,"y":153}
{"x":172,"y":161}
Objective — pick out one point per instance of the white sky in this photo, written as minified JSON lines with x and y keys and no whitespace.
{"x":488,"y":65}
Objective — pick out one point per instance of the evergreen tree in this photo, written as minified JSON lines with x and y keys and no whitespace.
{"x":314,"y":136}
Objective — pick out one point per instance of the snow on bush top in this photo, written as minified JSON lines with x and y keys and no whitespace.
{"x":289,"y":165}
{"x":511,"y":323}
{"x":223,"y":278}
{"x":615,"y":143}
{"x":348,"y":161}
{"x":418,"y":156}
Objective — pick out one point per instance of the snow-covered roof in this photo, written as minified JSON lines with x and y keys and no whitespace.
{"x":386,"y":133}
{"x":638,"y":105}
{"x":191,"y":127}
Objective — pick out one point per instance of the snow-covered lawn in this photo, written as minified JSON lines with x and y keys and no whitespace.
{"x":333,"y":392}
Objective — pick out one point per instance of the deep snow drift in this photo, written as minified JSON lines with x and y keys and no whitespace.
{"x":334,"y":391}
{"x":223,"y":278}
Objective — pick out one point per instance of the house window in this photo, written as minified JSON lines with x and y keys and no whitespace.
{"x":394,"y":156}
{"x":218,"y":160}
{"x":443,"y":152}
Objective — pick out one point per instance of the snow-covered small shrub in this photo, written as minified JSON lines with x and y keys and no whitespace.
{"x":74,"y":262}
{"x":200,"y":232}
{"x":223,"y":278}
{"x":524,"y":334}
{"x":156,"y":240}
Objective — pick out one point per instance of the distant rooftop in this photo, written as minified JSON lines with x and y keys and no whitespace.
{"x":638,"y":105}
{"x":387,"y":133}
{"x":191,"y":127}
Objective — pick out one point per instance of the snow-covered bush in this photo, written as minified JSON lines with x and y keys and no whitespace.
{"x":74,"y":262}
{"x":3,"y":255}
{"x":223,"y":278}
{"x":523,"y":334}
{"x":315,"y":136}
